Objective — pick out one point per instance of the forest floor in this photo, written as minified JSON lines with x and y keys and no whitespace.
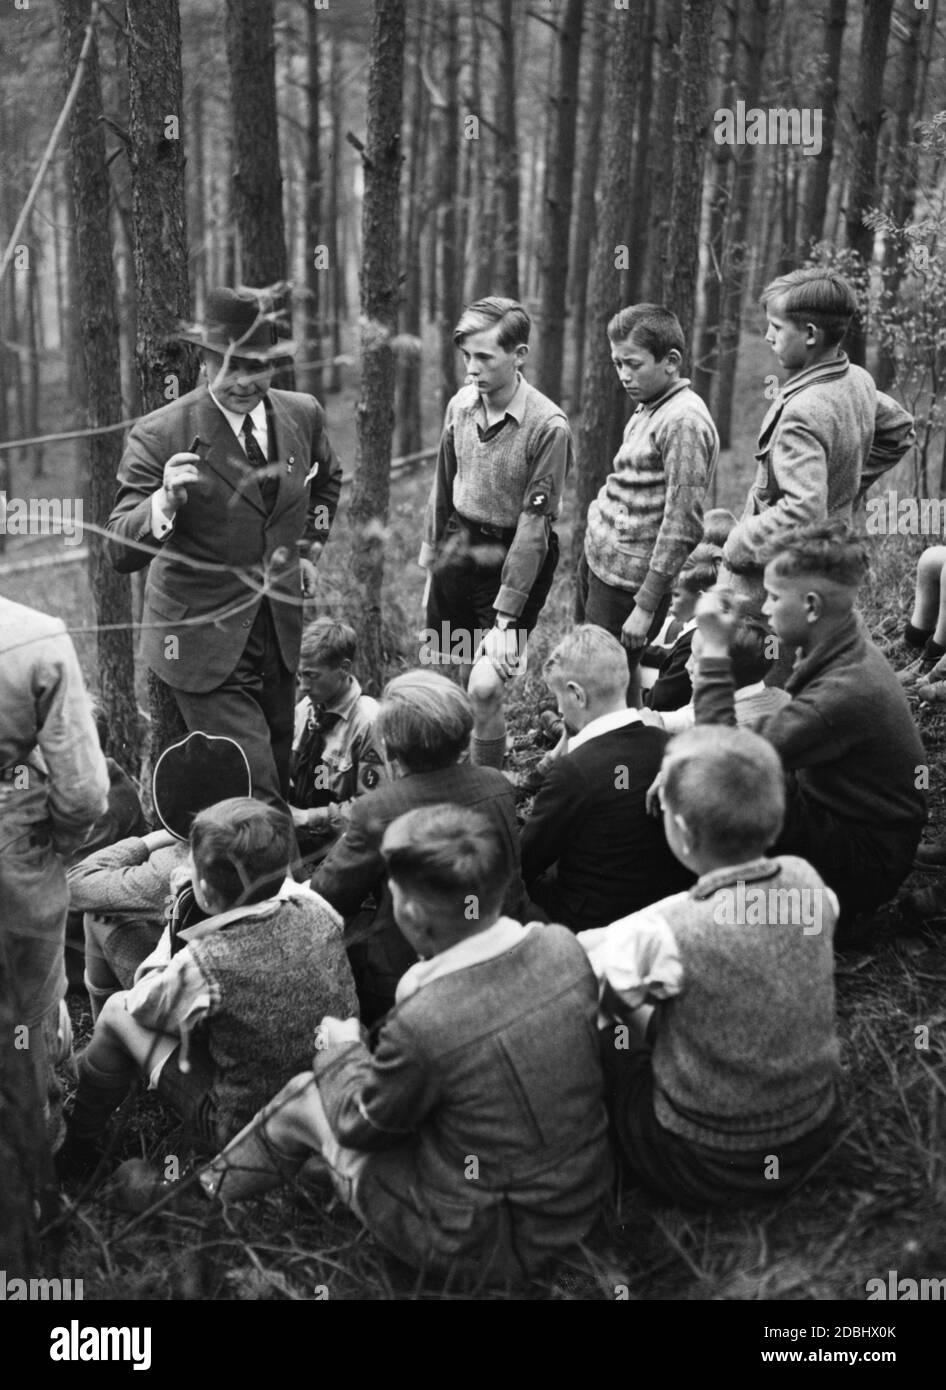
{"x":876,"y":1202}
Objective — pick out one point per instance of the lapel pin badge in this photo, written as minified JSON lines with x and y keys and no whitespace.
{"x":289,"y":462}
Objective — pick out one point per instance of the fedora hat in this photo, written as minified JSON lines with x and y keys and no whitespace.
{"x":196,"y":773}
{"x":237,"y":321}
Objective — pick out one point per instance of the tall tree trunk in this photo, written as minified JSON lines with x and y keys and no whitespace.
{"x":902,"y":191}
{"x":658,"y":231}
{"x":583,"y":231}
{"x":641,"y":184}
{"x":98,"y":327}
{"x":706,"y":352}
{"x":507,"y":164}
{"x":379,"y":307}
{"x":826,"y":101}
{"x":167,"y":367}
{"x":31,"y":282}
{"x":409,"y":418}
{"x":449,"y":297}
{"x":689,"y":140}
{"x":559,"y":180}
{"x":24,"y":1154}
{"x":332,"y":213}
{"x":257,"y":175}
{"x":735,"y":269}
{"x":866,"y":114}
{"x":313,"y":206}
{"x":600,"y":385}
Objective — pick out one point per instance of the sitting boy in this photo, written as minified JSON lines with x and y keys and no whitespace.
{"x":751,"y":644}
{"x":672,"y":689}
{"x":336,"y":753}
{"x":590,"y":851}
{"x":425,"y":722}
{"x":473,"y":1141}
{"x":219,"y":1025}
{"x":854,"y":807}
{"x":726,"y":1089}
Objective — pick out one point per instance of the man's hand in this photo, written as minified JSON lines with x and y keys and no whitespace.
{"x":636,"y":627}
{"x":715,"y":621}
{"x":307,"y":575}
{"x":334,"y":1032}
{"x":180,"y":472}
{"x":502,"y":649}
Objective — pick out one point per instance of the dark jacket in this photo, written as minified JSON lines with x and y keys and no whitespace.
{"x":589,"y":821}
{"x":204,"y":582}
{"x":354,"y":870}
{"x":672,"y":688}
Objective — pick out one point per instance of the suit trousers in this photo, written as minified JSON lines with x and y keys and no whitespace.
{"x":254,"y":706}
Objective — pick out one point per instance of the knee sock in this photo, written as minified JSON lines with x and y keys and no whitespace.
{"x":915,"y":636}
{"x":933,"y":651}
{"x":250,"y":1164}
{"x":98,"y":1094}
{"x":98,"y":996}
{"x":488,"y":752}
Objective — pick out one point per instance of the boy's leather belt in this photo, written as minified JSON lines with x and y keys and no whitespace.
{"x":497,"y":533}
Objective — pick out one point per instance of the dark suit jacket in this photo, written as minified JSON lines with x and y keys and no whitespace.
{"x":672,"y":688}
{"x":202,"y":590}
{"x":589,"y":821}
{"x":354,"y":869}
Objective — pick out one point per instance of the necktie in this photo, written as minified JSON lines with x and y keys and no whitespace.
{"x":308,"y":758}
{"x":268,"y":482}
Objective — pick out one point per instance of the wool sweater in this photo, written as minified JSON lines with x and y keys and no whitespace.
{"x":827,"y":436}
{"x":746,"y":1054}
{"x":847,"y":732}
{"x":649,"y":514}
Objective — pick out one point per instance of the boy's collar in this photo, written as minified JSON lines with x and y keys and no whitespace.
{"x":288,"y":889}
{"x":821,"y":371}
{"x":826,"y":648}
{"x":679,"y":384}
{"x":502,"y":936}
{"x":750,"y":872}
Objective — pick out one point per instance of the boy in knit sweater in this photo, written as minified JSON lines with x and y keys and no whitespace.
{"x":489,"y":547}
{"x":725,"y":1089}
{"x":473,"y":1140}
{"x":847,"y":738}
{"x":648,"y":516}
{"x":221,"y":1024}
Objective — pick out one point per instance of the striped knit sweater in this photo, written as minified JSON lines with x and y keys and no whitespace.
{"x":649,"y":514}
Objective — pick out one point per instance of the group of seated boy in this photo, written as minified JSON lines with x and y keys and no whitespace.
{"x":646,"y":970}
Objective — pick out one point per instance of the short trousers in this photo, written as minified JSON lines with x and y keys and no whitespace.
{"x":190,"y":1093}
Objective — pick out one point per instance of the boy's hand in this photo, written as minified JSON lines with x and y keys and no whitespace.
{"x":502,"y":649}
{"x":715,"y":621}
{"x":636,"y":627}
{"x":333,"y":1032}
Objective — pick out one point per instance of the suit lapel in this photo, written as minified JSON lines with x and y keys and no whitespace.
{"x":225,"y":457}
{"x":287,"y":448}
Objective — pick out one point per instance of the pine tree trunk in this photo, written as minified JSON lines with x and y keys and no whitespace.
{"x":826,"y":101}
{"x":167,"y":367}
{"x":583,"y":231}
{"x":449,"y":297}
{"x":507,"y":163}
{"x":313,"y":206}
{"x":257,"y":175}
{"x":409,"y":360}
{"x":867,"y":115}
{"x":689,"y":138}
{"x":559,"y":180}
{"x":668,"y":39}
{"x":98,"y":331}
{"x":639,"y":220}
{"x":600,"y":386}
{"x":332,"y":213}
{"x":379,"y":309}
{"x":24,"y":1155}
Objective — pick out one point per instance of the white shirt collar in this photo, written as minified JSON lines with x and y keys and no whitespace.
{"x":472,"y":950}
{"x":288,"y":889}
{"x":235,"y":420}
{"x":604,"y":724}
{"x":746,"y":692}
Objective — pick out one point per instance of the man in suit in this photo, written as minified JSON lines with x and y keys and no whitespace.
{"x":590,"y":852}
{"x":425,"y":722}
{"x":228,"y":494}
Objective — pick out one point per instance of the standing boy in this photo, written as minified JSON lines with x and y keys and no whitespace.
{"x":489,"y":545}
{"x":648,"y":516}
{"x":829,"y":432}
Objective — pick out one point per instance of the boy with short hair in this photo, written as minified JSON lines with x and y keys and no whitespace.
{"x":726,"y":1089}
{"x":847,"y":736}
{"x":489,"y":544}
{"x":648,"y":516}
{"x":828,"y":434}
{"x":221,"y":1023}
{"x":336,"y":752}
{"x":473,"y":1141}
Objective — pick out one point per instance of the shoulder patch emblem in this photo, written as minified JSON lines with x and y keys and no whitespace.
{"x":538,"y":501}
{"x":370,"y":777}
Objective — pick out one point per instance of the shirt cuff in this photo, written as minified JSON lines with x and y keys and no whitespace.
{"x":160,"y":526}
{"x":510,"y":601}
{"x":652,"y":590}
